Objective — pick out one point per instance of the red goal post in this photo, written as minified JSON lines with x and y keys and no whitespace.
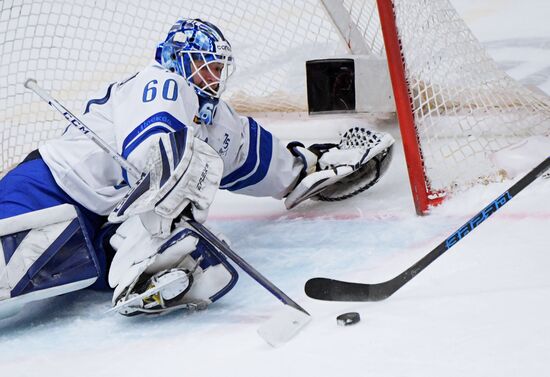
{"x":455,"y":106}
{"x":404,"y":106}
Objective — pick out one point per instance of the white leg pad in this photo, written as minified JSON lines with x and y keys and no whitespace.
{"x":43,"y":228}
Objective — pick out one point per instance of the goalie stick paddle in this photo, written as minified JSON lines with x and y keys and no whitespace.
{"x":300,"y":316}
{"x":337,"y":290}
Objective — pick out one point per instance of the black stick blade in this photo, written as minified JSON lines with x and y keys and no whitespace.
{"x":336,"y":290}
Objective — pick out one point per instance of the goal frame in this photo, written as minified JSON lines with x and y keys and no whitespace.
{"x":422,"y":194}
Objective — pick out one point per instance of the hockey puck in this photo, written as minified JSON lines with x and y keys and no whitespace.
{"x":348,"y":319}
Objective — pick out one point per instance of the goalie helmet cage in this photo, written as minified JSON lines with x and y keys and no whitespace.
{"x":454,"y":105}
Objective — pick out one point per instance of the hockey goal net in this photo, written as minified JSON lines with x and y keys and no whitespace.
{"x":454,"y":104}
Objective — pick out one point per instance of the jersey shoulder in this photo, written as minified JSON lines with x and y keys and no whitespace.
{"x":227,"y":116}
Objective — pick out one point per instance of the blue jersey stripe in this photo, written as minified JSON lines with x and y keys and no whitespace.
{"x":251,"y":158}
{"x":257,"y":163}
{"x":130,"y":148}
{"x":99,"y":101}
{"x":142,"y":132}
{"x":162,"y":117}
{"x":266,"y":152}
{"x":126,"y":150}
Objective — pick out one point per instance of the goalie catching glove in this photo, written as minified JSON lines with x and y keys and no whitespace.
{"x":339,"y":171}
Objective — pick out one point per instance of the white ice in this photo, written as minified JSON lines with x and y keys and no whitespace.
{"x":481,"y":309}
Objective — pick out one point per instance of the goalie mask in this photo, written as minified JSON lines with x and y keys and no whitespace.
{"x":198,"y":51}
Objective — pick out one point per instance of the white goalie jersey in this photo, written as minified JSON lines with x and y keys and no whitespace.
{"x":131,"y":114}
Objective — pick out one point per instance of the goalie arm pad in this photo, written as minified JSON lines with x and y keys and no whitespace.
{"x":183,"y":170}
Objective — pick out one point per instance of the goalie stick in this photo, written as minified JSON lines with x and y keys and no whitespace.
{"x":336,"y":290}
{"x":298,"y":318}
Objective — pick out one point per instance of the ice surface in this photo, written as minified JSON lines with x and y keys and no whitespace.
{"x":482,"y":309}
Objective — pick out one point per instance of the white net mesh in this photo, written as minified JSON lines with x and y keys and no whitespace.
{"x":464,"y":106}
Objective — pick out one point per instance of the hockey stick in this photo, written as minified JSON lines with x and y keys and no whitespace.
{"x":336,"y":290}
{"x":297,"y":321}
{"x":33,"y":85}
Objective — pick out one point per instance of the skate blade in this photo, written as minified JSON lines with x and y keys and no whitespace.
{"x":140,"y":297}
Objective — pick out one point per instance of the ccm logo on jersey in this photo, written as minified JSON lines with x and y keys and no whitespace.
{"x":202,"y":177}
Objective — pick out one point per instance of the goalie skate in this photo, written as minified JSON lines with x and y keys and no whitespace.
{"x":163,"y":293}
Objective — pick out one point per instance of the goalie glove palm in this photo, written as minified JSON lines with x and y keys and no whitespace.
{"x":343,"y":170}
